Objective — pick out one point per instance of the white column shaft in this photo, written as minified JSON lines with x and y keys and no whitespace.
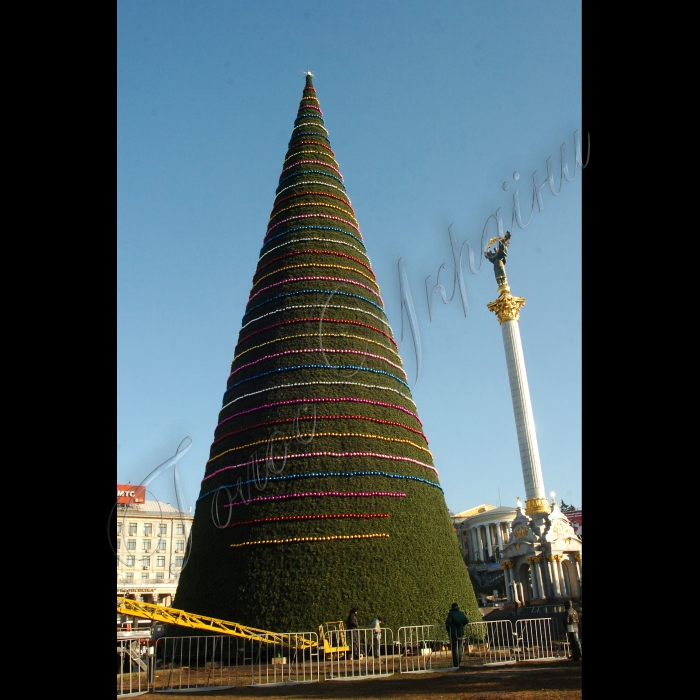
{"x":499,"y":535}
{"x":522,"y":407}
{"x":487,"y":529}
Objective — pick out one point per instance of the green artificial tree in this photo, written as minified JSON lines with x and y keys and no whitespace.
{"x":320,"y":492}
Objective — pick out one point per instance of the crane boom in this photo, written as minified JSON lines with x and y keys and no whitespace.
{"x":173,"y":616}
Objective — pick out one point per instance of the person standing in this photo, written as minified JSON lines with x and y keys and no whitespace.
{"x":454,"y":624}
{"x":376,"y":626}
{"x":571,"y":621}
{"x":353,"y":625}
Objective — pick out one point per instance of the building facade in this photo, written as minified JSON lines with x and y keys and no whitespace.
{"x":482,"y":532}
{"x":152,"y":550}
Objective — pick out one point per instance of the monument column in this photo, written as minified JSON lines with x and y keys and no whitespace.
{"x":507,"y":309}
{"x":579,"y":566}
{"x":562,"y":577}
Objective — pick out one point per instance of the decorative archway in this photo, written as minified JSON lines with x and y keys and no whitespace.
{"x":571,"y":579}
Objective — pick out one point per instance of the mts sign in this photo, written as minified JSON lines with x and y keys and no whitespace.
{"x":128,"y":493}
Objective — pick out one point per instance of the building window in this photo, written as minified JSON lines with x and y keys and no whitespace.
{"x":131,"y":544}
{"x":161,"y":561}
{"x":130,"y":560}
{"x":132,"y":528}
{"x":119,"y":544}
{"x":147,"y":529}
{"x":179,"y":545}
{"x":146,"y":545}
{"x":161,"y":544}
{"x":180,"y":529}
{"x":144,"y":575}
{"x":160,"y":576}
{"x":119,"y":528}
{"x":130,"y":577}
{"x":146,"y":561}
{"x":179,"y":560}
{"x":163,"y":529}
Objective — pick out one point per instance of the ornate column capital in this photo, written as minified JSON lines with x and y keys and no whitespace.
{"x":551,"y":557}
{"x":507,"y":564}
{"x":506,"y":307}
{"x":578,"y":557}
{"x":536,"y":505}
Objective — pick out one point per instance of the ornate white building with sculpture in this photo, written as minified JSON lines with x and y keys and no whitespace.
{"x":542,"y":557}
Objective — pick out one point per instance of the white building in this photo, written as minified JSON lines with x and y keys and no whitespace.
{"x":152,"y":549}
{"x":482,"y":532}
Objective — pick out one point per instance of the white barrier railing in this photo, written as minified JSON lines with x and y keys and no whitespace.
{"x":132,"y":668}
{"x":352,"y":654}
{"x":490,"y":642}
{"x":224,"y":661}
{"x":424,"y":648}
{"x":534,"y":639}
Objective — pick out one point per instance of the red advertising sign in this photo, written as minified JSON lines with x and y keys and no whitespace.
{"x":576,"y":519}
{"x":128,"y":493}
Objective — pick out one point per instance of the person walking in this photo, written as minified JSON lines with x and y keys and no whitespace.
{"x":376,"y":626}
{"x":571,"y":620}
{"x":454,"y":624}
{"x":353,"y":625}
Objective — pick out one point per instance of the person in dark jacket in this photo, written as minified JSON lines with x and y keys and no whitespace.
{"x":454,"y":624}
{"x":352,"y":624}
{"x":571,"y":621}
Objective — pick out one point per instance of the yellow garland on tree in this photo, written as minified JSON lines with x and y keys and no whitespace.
{"x":312,"y":539}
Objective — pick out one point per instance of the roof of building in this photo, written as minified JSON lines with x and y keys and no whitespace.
{"x":490,"y":511}
{"x":153,"y":508}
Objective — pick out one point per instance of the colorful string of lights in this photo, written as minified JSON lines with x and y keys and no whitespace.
{"x":333,"y":516}
{"x":317,"y":278}
{"x":319,"y":383}
{"x":315,"y":306}
{"x":313,"y":162}
{"x":325,"y":453}
{"x":311,"y":228}
{"x":314,"y":182}
{"x":307,"y":319}
{"x":316,"y":264}
{"x":315,"y":365}
{"x":292,"y":540}
{"x":281,"y":421}
{"x":330,"y":399}
{"x":306,"y":351}
{"x":319,"y":434}
{"x":277,"y":212}
{"x":311,"y":251}
{"x":315,"y":194}
{"x":308,"y":133}
{"x":333,"y":292}
{"x":313,"y":216}
{"x":315,"y":335}
{"x":317,"y":494}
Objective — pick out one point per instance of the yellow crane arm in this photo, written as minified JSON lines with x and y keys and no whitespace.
{"x":173,"y":616}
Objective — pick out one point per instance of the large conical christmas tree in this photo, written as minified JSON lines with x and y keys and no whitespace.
{"x":320,"y":492}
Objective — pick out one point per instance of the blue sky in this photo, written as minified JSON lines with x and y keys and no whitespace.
{"x":431,"y":107}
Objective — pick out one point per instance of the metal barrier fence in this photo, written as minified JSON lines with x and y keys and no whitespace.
{"x":424,"y":648}
{"x":224,"y":661}
{"x":353,"y":654}
{"x":132,"y":668}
